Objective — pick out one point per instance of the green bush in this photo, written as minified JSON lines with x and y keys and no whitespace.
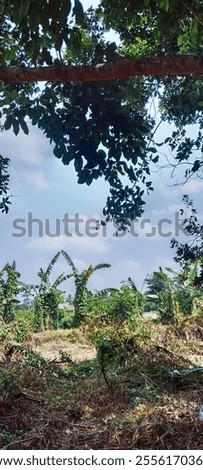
{"x":174,"y":305}
{"x":24,"y":314}
{"x":18,"y":331}
{"x":116,"y":328}
{"x":118,"y":305}
{"x":169,"y":307}
{"x":66,"y":322}
{"x":165,"y":308}
{"x":185,"y":298}
{"x":197,"y":306}
{"x":116,"y":342}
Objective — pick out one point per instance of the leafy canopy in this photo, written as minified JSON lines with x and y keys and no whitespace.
{"x":190,"y":254}
{"x":104,"y":127}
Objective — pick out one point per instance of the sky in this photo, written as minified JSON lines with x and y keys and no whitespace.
{"x":45,"y":190}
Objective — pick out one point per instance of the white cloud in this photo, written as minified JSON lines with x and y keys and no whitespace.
{"x":193,"y":186}
{"x":32,"y":178}
{"x":99,"y":281}
{"x":165,"y":262}
{"x":44,"y":244}
{"x":128,"y":264}
{"x":74,"y":244}
{"x":24,"y":149}
{"x":28,"y":158}
{"x":174,"y":207}
{"x":126,"y":268}
{"x":171,"y":191}
{"x":158,"y":212}
{"x":87,"y":245}
{"x":79,"y":264}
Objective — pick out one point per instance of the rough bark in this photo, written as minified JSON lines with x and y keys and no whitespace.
{"x":121,"y":68}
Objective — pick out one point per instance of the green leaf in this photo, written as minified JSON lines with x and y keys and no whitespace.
{"x":89,"y":179}
{"x":76,"y":42}
{"x":101,"y":154}
{"x":111,"y":51}
{"x":16,"y":127}
{"x":34,"y":20}
{"x":14,"y":95}
{"x":79,"y":12}
{"x":23,"y":126}
{"x":8,"y":123}
{"x":155,"y":159}
{"x":196,"y":166}
{"x":66,"y":8}
{"x":99,"y":52}
{"x":20,"y":10}
{"x":164,"y":4}
{"x":82,"y":178}
{"x":78,"y":163}
{"x":44,"y":20}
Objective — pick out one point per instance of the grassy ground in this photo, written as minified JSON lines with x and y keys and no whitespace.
{"x":50,"y":343}
{"x":67,"y":405}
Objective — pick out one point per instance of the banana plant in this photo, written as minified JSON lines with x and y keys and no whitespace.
{"x":48,"y":298}
{"x":169,"y":306}
{"x":9,"y":289}
{"x":81,"y":292}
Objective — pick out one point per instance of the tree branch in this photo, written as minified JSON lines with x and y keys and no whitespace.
{"x":121,"y":68}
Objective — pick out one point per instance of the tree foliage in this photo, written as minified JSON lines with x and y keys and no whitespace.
{"x":104,"y":126}
{"x":190,"y":254}
{"x":156,"y":283}
{"x":4,"y":184}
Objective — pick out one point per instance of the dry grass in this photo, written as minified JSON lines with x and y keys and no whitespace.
{"x":50,"y":343}
{"x":146,"y":408}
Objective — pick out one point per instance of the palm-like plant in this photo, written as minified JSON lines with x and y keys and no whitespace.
{"x":9,"y":289}
{"x":132,"y":284}
{"x":81,"y":293}
{"x":48,"y":298}
{"x":169,"y":306}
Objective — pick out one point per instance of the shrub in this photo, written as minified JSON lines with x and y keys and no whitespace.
{"x":116,"y":328}
{"x":118,"y":304}
{"x":46,"y":313}
{"x":186,"y":297}
{"x":18,"y":330}
{"x":66,"y":322}
{"x":169,"y":307}
{"x":166,"y":309}
{"x":24,"y":314}
{"x":9,"y":289}
{"x":198,"y":306}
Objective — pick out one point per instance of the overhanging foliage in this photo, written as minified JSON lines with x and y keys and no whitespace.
{"x":89,"y":108}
